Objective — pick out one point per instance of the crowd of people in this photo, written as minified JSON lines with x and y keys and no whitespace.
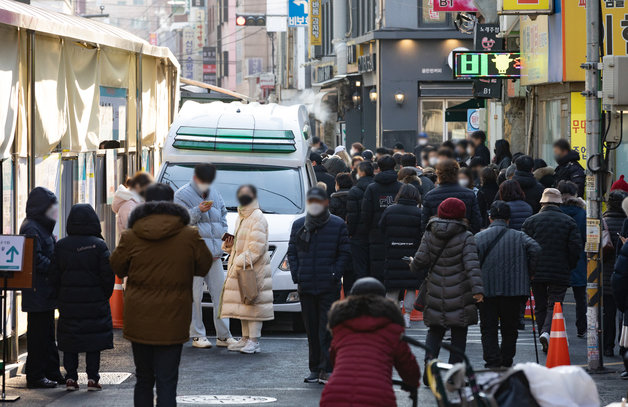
{"x":445,"y":229}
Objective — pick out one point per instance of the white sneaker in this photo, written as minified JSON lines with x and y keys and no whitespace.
{"x":202,"y":342}
{"x":251,"y":347}
{"x":237,"y":345}
{"x":406,"y":320}
{"x":225,"y":344}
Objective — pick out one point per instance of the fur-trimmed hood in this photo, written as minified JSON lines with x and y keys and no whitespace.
{"x":364,"y":313}
{"x":570,"y":200}
{"x":542,"y":172}
{"x":158,"y":220}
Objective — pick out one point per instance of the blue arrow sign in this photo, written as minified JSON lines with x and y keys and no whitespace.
{"x":12,"y":252}
{"x":298,"y":11}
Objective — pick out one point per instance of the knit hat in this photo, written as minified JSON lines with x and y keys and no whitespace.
{"x":452,"y":208}
{"x":620,"y":184}
{"x":551,"y":196}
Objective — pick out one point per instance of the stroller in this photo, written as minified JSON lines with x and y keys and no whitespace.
{"x":460,"y":386}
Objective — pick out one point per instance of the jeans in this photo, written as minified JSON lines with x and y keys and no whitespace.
{"x":609,"y":315}
{"x":214,"y":280}
{"x":251,"y":329}
{"x":43,"y":356}
{"x":580,"y":295}
{"x":314,"y":309}
{"x":156,"y":365}
{"x":408,"y":299}
{"x":360,"y":260}
{"x":502,"y":313}
{"x":92,"y":362}
{"x":545,"y":295}
{"x":435,"y":336}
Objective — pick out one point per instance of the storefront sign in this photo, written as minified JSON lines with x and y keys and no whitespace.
{"x":486,"y":40}
{"x":577,"y":125}
{"x":615,"y":20}
{"x":188,"y":50}
{"x":209,"y":65}
{"x":473,"y":120}
{"x":297,"y":13}
{"x":315,"y":22}
{"x":573,"y":14}
{"x":454,"y":5}
{"x":267,"y":81}
{"x":324,"y":73}
{"x":527,"y":7}
{"x":366,"y":63}
{"x":534,"y":50}
{"x":469,"y":65}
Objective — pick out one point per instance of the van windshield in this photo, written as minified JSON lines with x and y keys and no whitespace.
{"x":279,"y":189}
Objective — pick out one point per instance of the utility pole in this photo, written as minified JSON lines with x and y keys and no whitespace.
{"x":593,"y":183}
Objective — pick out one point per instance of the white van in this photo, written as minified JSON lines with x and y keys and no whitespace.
{"x":264,"y":145}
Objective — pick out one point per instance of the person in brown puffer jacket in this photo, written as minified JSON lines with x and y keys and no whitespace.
{"x":454,"y":280}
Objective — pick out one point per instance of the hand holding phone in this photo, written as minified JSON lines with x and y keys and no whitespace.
{"x":205,"y":206}
{"x":228,"y":239}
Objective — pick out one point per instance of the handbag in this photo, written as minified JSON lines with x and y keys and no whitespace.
{"x":247,"y":283}
{"x":608,"y":248}
{"x":419,"y":303}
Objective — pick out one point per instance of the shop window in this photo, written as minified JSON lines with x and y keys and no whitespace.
{"x":113,"y":116}
{"x":549,"y":128}
{"x":456,"y":130}
{"x":432,"y":116}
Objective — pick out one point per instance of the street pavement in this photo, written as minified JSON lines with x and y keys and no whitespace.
{"x":277,"y":372}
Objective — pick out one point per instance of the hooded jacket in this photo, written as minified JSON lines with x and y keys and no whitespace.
{"x":355,"y":226}
{"x":124,"y":201}
{"x":40,"y":297}
{"x":365,"y":346}
{"x":401,"y":226}
{"x":576,"y":208}
{"x":614,"y":219}
{"x":212,"y":225}
{"x":619,"y":280}
{"x":338,"y":203}
{"x":545,"y":176}
{"x":486,"y":197}
{"x":160,"y":254}
{"x":532,"y":189}
{"x":377,"y":197}
{"x":452,"y":190}
{"x":519,"y":212}
{"x":561,"y":244}
{"x":455,"y":277}
{"x":84,"y":282}
{"x":569,"y":169}
{"x":323,"y":176}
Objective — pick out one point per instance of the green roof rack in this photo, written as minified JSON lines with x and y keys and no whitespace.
{"x":235,"y":140}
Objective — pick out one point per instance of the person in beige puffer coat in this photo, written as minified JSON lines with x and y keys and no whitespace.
{"x":248,"y":250}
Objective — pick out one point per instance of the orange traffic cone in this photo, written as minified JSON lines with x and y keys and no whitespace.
{"x":558,"y":352}
{"x":117,"y":304}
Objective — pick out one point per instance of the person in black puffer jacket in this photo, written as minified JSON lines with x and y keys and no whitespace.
{"x":487,"y":192}
{"x":377,"y":197}
{"x":321,"y":173}
{"x":543,"y":173}
{"x":448,"y":187}
{"x":614,"y":218}
{"x":569,"y":168}
{"x":338,"y":200}
{"x":532,"y":189}
{"x":42,"y":362}
{"x":357,"y":230}
{"x":561,"y":245}
{"x":510,"y":192}
{"x":84,"y":282}
{"x":401,"y":226}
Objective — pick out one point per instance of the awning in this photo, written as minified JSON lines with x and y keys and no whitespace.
{"x":458,"y":113}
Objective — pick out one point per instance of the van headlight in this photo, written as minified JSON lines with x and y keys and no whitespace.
{"x":284,"y":265}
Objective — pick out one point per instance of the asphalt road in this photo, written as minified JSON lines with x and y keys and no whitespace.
{"x":277,"y":372}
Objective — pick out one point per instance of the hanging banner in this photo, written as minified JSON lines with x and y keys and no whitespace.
{"x":315,"y":22}
{"x":454,"y":5}
{"x":577,"y":126}
{"x":534,"y":35}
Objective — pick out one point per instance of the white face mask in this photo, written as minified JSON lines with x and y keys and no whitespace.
{"x":352,"y":152}
{"x":357,"y":175}
{"x":315,"y":208}
{"x":463,"y":182}
{"x":423,"y":141}
{"x":202,"y":188}
{"x":433,"y":161}
{"x":469,"y":151}
{"x":53,"y":212}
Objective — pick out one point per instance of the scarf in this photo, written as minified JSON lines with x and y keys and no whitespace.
{"x":311,"y":225}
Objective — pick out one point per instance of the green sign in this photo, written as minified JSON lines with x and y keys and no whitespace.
{"x":491,"y":64}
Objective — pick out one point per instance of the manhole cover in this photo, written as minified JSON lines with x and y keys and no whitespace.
{"x":218,"y":400}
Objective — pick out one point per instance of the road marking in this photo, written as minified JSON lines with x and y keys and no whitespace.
{"x":224,"y":399}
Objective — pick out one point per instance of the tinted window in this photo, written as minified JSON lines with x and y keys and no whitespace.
{"x":279,"y":189}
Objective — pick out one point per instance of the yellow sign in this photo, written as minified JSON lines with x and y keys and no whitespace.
{"x":534,"y":50}
{"x":315,"y":22}
{"x":578,"y":126}
{"x":527,"y":6}
{"x":574,"y":39}
{"x":615,"y":20}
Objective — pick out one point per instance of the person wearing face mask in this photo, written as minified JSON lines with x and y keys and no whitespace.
{"x":208,"y":213}
{"x":422,"y":142}
{"x":248,"y":253}
{"x":318,"y":254}
{"x":42,"y":362}
{"x":465,"y":179}
{"x":569,"y":168}
{"x":128,"y":196}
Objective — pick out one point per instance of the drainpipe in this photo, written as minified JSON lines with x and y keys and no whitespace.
{"x":339,"y":41}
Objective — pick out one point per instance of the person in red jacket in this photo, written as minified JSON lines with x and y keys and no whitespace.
{"x":366,"y":344}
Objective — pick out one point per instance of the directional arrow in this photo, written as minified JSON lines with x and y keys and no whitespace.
{"x":301,"y":3}
{"x":12,"y":252}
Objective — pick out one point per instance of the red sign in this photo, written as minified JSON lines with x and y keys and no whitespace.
{"x":209,"y":68}
{"x":454,"y":5}
{"x":152,"y":38}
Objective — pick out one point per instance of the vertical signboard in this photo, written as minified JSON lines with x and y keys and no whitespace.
{"x":187,"y":56}
{"x":615,"y":21}
{"x":197,"y":18}
{"x":315,"y":22}
{"x":534,"y":50}
{"x":577,"y":126}
{"x":209,"y":65}
{"x":574,"y":37}
{"x":297,"y":13}
{"x":486,"y":40}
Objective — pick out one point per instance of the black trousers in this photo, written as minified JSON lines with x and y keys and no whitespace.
{"x":360,"y":259}
{"x":43,"y":355}
{"x":609,"y":318}
{"x":580,"y":295}
{"x":156,"y":365}
{"x":545,"y":295}
{"x":435,"y":336}
{"x":92,"y":362}
{"x":314,"y":309}
{"x":499,"y":313}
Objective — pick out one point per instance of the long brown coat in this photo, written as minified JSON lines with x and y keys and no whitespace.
{"x":250,"y":249}
{"x":160,"y":255}
{"x":455,"y":278}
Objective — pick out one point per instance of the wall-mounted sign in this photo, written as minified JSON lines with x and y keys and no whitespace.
{"x":473,"y":120}
{"x":526,"y":6}
{"x":486,"y":39}
{"x":209,"y":65}
{"x":468,"y":65}
{"x":297,"y":13}
{"x":454,"y":5}
{"x":366,"y":63}
{"x":315,"y":22}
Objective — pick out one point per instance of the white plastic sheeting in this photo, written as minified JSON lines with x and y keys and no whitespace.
{"x":9,"y":75}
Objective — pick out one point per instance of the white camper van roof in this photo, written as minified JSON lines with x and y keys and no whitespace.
{"x":239,"y":133}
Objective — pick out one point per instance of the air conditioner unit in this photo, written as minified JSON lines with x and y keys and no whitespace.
{"x":614,"y":83}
